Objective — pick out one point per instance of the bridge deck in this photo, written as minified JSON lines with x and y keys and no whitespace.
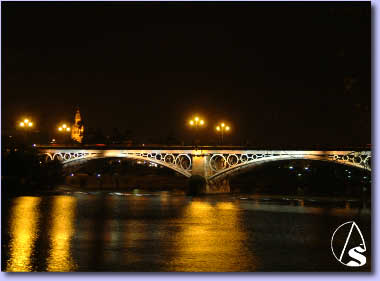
{"x":218,"y":148}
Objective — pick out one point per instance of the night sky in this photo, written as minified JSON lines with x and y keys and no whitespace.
{"x":279,"y":73}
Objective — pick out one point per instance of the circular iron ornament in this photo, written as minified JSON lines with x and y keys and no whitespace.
{"x":212,"y":160}
{"x":58,"y":156}
{"x":158,"y":157}
{"x":179,"y":161}
{"x":171,"y":157}
{"x":244,"y":158}
{"x":66,"y":156}
{"x":230,"y":160}
{"x":357,"y":160}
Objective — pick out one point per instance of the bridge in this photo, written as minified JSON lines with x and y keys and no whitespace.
{"x":214,"y":164}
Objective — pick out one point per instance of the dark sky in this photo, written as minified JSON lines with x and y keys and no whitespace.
{"x":279,"y":73}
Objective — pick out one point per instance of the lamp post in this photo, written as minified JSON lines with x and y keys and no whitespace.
{"x":222,"y":128}
{"x":196,"y":122}
{"x":64,"y":129}
{"x":26,"y":125}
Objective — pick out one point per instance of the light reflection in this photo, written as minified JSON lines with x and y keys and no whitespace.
{"x":23,"y":233}
{"x":135,"y":235}
{"x":112,"y":232}
{"x":60,"y":234}
{"x":208,"y":238}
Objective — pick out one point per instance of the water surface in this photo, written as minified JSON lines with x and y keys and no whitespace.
{"x":117,"y":231}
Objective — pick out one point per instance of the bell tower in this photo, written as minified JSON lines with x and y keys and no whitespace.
{"x":77,"y":128}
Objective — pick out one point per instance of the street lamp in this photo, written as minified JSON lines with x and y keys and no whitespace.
{"x":222,"y":128}
{"x":196,"y":122}
{"x":26,"y":123}
{"x":64,"y":129}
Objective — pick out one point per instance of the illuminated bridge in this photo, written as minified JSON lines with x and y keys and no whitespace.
{"x":215,"y":164}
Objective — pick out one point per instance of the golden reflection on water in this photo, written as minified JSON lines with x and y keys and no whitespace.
{"x":60,"y":234}
{"x":112,"y":232}
{"x":23,"y":230}
{"x":135,"y":233}
{"x":212,"y":240}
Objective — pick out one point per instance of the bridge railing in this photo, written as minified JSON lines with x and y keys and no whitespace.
{"x":206,"y":147}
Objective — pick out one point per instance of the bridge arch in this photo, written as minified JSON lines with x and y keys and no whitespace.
{"x":234,"y":169}
{"x":73,"y":160}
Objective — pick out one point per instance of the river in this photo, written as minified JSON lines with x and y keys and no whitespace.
{"x":162,"y":231}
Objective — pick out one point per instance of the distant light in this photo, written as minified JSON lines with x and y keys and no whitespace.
{"x":98,"y":175}
{"x":26,"y":121}
{"x":291,"y":167}
{"x":306,"y":168}
{"x":10,"y":136}
{"x":349,"y":172}
{"x":68,"y":129}
{"x":299,"y":175}
{"x":71,"y":175}
{"x":349,"y":176}
{"x":218,"y":128}
{"x":119,"y":161}
{"x":227,"y":128}
{"x":53,"y":140}
{"x":196,"y":118}
{"x":21,"y":124}
{"x":40,"y":162}
{"x":30,"y":124}
{"x":222,"y":125}
{"x":60,"y":129}
{"x":201,"y":122}
{"x":64,"y":126}
{"x":34,"y":144}
{"x":191,"y":122}
{"x":364,"y":177}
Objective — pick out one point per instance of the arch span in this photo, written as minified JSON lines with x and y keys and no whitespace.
{"x":70,"y":161}
{"x":220,"y":175}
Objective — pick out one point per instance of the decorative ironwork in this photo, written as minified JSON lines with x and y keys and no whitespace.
{"x":221,"y":163}
{"x":180,"y":162}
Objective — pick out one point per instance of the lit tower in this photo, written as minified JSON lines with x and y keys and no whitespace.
{"x":77,"y":128}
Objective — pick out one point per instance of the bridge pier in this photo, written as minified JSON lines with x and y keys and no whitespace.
{"x":201,"y":168}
